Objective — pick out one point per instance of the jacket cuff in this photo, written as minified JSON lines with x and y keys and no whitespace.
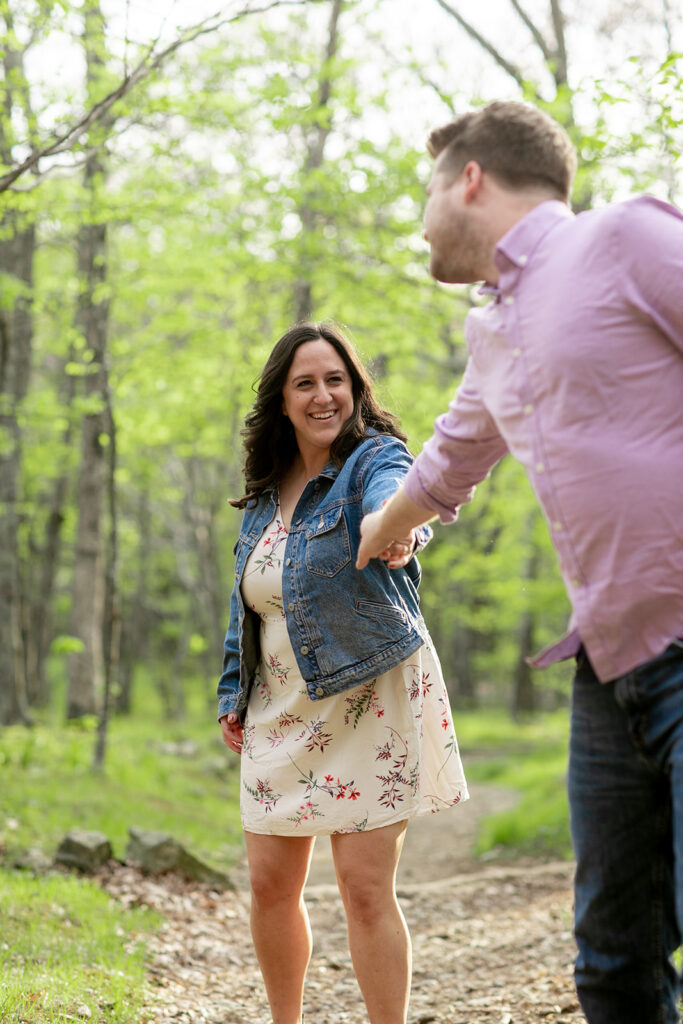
{"x":226,"y":705}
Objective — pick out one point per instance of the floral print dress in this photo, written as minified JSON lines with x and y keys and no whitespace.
{"x":370,"y":756}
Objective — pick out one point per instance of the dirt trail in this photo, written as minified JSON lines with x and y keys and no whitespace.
{"x":491,"y":944}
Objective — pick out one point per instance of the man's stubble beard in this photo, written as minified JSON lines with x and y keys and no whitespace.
{"x":464,"y":259}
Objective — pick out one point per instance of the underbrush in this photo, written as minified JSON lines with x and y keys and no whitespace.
{"x":529,"y":757}
{"x":175,"y":777}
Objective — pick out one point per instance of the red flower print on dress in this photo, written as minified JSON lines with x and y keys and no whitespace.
{"x":277,"y":669}
{"x":264,"y":691}
{"x":247,"y":739}
{"x":318,"y":738}
{"x":306,"y":812}
{"x":314,"y":732}
{"x":396,"y":779}
{"x":264,"y":794}
{"x":333,"y":787}
{"x":362,"y":701}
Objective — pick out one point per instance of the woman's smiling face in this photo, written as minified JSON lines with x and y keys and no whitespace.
{"x":317,"y":395}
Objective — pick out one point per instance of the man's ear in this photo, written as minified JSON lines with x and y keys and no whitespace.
{"x":472,"y":176}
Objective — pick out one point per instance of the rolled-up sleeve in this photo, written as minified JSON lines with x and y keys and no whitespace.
{"x":465,"y":446}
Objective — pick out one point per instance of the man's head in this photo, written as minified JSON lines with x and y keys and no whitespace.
{"x":514,"y":142}
{"x":492,"y":166}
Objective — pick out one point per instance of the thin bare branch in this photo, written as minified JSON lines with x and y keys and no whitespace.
{"x":67,"y":139}
{"x":560,"y":69}
{"x":539,"y":39}
{"x":511,"y":69}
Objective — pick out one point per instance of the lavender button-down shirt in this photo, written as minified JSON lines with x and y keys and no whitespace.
{"x":576,"y":367}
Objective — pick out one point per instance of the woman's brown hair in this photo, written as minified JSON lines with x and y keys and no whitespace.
{"x":269,"y":441}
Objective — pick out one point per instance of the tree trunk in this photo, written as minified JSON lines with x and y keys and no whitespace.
{"x":112,"y":615}
{"x":303,"y":289}
{"x":85,"y":667}
{"x":17,"y":247}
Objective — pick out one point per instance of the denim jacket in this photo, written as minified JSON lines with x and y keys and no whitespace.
{"x":345,"y":626}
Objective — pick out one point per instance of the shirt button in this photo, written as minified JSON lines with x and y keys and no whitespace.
{"x":557,"y":527}
{"x":288,"y":562}
{"x":576,"y":581}
{"x":319,"y":691}
{"x":516,"y":352}
{"x":290,"y":606}
{"x":540,"y":467}
{"x":304,"y":649}
{"x":509,"y":300}
{"x":523,"y":260}
{"x":528,"y":409}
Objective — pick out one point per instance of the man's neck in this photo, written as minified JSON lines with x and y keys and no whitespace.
{"x":512,"y":208}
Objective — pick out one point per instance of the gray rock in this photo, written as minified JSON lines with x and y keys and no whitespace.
{"x":34,"y":860}
{"x":156,"y":853}
{"x":86,"y":851}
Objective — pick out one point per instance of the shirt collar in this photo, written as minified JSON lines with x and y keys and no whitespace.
{"x":516,"y":247}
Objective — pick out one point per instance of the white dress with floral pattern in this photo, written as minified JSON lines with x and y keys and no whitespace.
{"x":370,"y":756}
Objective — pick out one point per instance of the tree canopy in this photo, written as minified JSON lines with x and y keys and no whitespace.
{"x":169,"y":207}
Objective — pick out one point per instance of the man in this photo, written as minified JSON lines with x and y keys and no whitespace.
{"x":576,"y":367}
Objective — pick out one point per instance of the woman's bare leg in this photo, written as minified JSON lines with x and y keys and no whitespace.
{"x":366,"y":864}
{"x":278,"y":868}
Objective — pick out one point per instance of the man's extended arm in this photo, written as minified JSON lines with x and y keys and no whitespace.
{"x":465,"y":445}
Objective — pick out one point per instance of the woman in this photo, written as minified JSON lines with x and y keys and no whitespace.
{"x":330,"y":689}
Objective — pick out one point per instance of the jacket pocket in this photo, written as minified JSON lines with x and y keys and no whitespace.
{"x":328,"y":548}
{"x":375,"y":609}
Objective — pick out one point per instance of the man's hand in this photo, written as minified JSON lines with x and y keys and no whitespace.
{"x":374,"y":540}
{"x":383,"y":533}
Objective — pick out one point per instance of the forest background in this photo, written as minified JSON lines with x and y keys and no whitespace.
{"x":180,"y":184}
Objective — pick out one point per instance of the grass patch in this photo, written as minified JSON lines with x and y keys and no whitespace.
{"x":530,"y":757}
{"x":65,"y":946}
{"x":48,"y":786}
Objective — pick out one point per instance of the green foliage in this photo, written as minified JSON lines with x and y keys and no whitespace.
{"x":217,"y":215}
{"x":176,"y":778}
{"x":531,"y":758}
{"x":66,"y":946}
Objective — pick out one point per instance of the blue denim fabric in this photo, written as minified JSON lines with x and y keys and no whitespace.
{"x":626,"y":803}
{"x":345,"y":626}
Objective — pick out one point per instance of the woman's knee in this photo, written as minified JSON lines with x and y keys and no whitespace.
{"x":365,"y":895}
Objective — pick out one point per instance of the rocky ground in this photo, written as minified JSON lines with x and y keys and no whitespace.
{"x":492,"y":944}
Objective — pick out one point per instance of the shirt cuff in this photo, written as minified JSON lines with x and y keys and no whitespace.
{"x":416,"y":490}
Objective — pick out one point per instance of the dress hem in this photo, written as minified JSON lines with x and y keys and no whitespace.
{"x":418,"y":811}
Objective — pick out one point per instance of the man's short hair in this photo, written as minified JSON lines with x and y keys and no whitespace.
{"x":515,"y":142}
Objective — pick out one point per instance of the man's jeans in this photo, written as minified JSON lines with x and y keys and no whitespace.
{"x":626,"y":803}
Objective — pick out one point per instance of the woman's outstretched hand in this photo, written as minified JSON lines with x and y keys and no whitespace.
{"x":399,"y":552}
{"x":233,"y":733}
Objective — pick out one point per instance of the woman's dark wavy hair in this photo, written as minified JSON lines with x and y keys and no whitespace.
{"x":269,"y":440}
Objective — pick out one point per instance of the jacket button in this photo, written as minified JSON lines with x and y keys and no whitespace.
{"x":319,"y":691}
{"x":288,"y":561}
{"x":290,"y":606}
{"x":304,"y":649}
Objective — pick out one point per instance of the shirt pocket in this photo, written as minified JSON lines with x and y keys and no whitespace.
{"x":328,"y":548}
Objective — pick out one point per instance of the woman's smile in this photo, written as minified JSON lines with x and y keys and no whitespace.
{"x":317,"y":377}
